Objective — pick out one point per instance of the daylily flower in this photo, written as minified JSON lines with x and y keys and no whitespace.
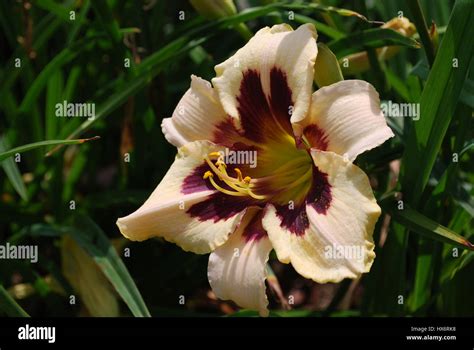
{"x":303,"y":197}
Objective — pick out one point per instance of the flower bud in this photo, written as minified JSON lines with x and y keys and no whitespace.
{"x":359,"y":62}
{"x":214,"y":9}
{"x":326,"y":68}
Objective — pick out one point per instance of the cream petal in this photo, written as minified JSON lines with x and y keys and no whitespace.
{"x":237,"y":269}
{"x":184,"y":208}
{"x":269,"y":78}
{"x":198,"y":115}
{"x":346,"y":118}
{"x":337,"y":242}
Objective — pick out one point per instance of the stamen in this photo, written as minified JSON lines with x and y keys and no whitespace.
{"x":215,"y":154}
{"x":239,"y":174}
{"x":220,"y":163}
{"x":223,"y":190}
{"x":242,"y":186}
{"x":209,"y":175}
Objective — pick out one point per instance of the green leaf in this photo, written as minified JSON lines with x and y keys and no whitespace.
{"x":429,"y":253}
{"x":438,"y":101}
{"x":72,"y":82}
{"x":9,"y":306}
{"x":46,"y":28}
{"x":79,"y":22}
{"x":370,"y":38}
{"x":421,"y":28}
{"x":61,"y":11}
{"x":53,"y":96}
{"x":320,"y":27}
{"x":13,"y":173}
{"x":467,"y":93}
{"x":106,"y":19}
{"x":30,"y":146}
{"x":146,"y":71}
{"x":94,"y":241}
{"x":398,"y":84}
{"x":455,"y":297}
{"x":388,"y":271}
{"x":111,"y":104}
{"x":323,"y":9}
{"x":419,"y":223}
{"x":35,"y":231}
{"x":57,"y":62}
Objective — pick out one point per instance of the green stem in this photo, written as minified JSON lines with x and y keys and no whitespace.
{"x":378,"y":74}
{"x":420,"y":23}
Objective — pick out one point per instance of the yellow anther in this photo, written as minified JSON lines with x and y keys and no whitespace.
{"x":221,"y":163}
{"x":215,"y":154}
{"x":208,"y":174}
{"x":223,"y":190}
{"x":239,"y":174}
{"x":240,"y":185}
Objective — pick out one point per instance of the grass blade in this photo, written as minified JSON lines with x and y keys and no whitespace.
{"x":370,"y":38}
{"x":467,"y":93}
{"x":59,"y":60}
{"x":429,"y":252}
{"x":134,"y":85}
{"x":61,"y":11}
{"x":30,"y":146}
{"x":54,"y":90}
{"x":320,"y":27}
{"x":91,"y":238}
{"x":13,"y":173}
{"x":417,"y":222}
{"x":438,"y":101}
{"x":9,"y":306}
{"x":104,"y":13}
{"x":81,"y":20}
{"x":422,"y":29}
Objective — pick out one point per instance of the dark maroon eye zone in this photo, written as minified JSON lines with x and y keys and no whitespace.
{"x":316,"y":137}
{"x":295,"y":219}
{"x":262,"y":118}
{"x":254,"y":230}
